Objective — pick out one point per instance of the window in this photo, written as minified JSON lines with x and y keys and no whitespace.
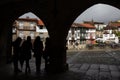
{"x":105,"y":35}
{"x":111,"y":35}
{"x":41,"y":27}
{"x":70,"y":35}
{"x":78,"y":34}
{"x":20,"y":25}
{"x":32,"y":26}
{"x":14,"y":30}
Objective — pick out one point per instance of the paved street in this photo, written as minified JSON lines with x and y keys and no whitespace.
{"x":83,"y":65}
{"x":96,"y":65}
{"x":96,"y":57}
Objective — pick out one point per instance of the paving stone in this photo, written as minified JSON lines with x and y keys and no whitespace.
{"x":115,"y":74}
{"x":76,"y":66}
{"x":104,"y":76}
{"x":93,"y":73}
{"x":82,"y":71}
{"x":119,"y":68}
{"x":113,"y":68}
{"x":116,"y":78}
{"x":84,"y":67}
{"x":95,"y":66}
{"x":70,"y":65}
{"x":74,"y":69}
{"x":88,"y":77}
{"x":104,"y":68}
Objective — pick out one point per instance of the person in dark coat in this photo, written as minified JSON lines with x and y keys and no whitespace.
{"x":22,"y":54}
{"x":16,"y":54}
{"x":38,"y":50}
{"x":27,"y":53}
{"x":47,"y":51}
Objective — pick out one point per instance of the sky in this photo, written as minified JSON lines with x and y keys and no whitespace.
{"x":30,"y":14}
{"x":99,"y":12}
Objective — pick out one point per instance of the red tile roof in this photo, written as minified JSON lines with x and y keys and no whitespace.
{"x":114,"y":24}
{"x":75,"y":25}
{"x":110,"y":27}
{"x":86,"y":25}
{"x":39,"y":22}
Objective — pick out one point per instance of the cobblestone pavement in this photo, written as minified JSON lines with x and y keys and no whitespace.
{"x":97,"y":65}
{"x":96,"y":57}
{"x":83,"y":65}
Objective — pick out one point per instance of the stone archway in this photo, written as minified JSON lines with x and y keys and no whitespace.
{"x":58,"y":15}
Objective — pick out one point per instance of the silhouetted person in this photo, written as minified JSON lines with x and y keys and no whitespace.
{"x":27,"y":53}
{"x":38,"y":50}
{"x":16,"y":53}
{"x":47,"y":51}
{"x":22,"y":54}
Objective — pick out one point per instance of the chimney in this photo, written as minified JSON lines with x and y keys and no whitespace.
{"x":27,"y":17}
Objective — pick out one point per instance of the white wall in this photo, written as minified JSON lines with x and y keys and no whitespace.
{"x":41,"y":30}
{"x":108,"y":36}
{"x":100,"y":26}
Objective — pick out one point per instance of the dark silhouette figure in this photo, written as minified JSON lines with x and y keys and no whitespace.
{"x":22,"y":54}
{"x":27,"y":48}
{"x":16,"y":53}
{"x":47,"y":51}
{"x":38,"y":50}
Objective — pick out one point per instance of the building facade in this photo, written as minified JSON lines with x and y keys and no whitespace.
{"x":82,"y":34}
{"x":110,"y":32}
{"x":33,"y":27}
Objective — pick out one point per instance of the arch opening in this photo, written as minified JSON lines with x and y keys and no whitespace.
{"x":88,"y":34}
{"x":29,"y":24}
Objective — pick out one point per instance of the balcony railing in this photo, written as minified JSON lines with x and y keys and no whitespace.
{"x":82,"y":31}
{"x":27,"y":28}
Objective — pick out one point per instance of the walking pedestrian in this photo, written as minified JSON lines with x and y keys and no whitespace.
{"x":27,"y":53}
{"x":38,"y":51}
{"x":47,"y":50}
{"x":16,"y":54}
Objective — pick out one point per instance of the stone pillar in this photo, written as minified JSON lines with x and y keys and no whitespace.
{"x":5,"y":40}
{"x":58,"y":59}
{"x":2,"y":46}
{"x":58,"y":53}
{"x":9,"y":43}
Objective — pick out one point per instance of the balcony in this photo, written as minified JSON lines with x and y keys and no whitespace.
{"x":26,"y":28}
{"x":90,"y":31}
{"x":83,"y":31}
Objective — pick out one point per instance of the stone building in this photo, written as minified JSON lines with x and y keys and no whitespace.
{"x":81,"y":33}
{"x":33,"y":27}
